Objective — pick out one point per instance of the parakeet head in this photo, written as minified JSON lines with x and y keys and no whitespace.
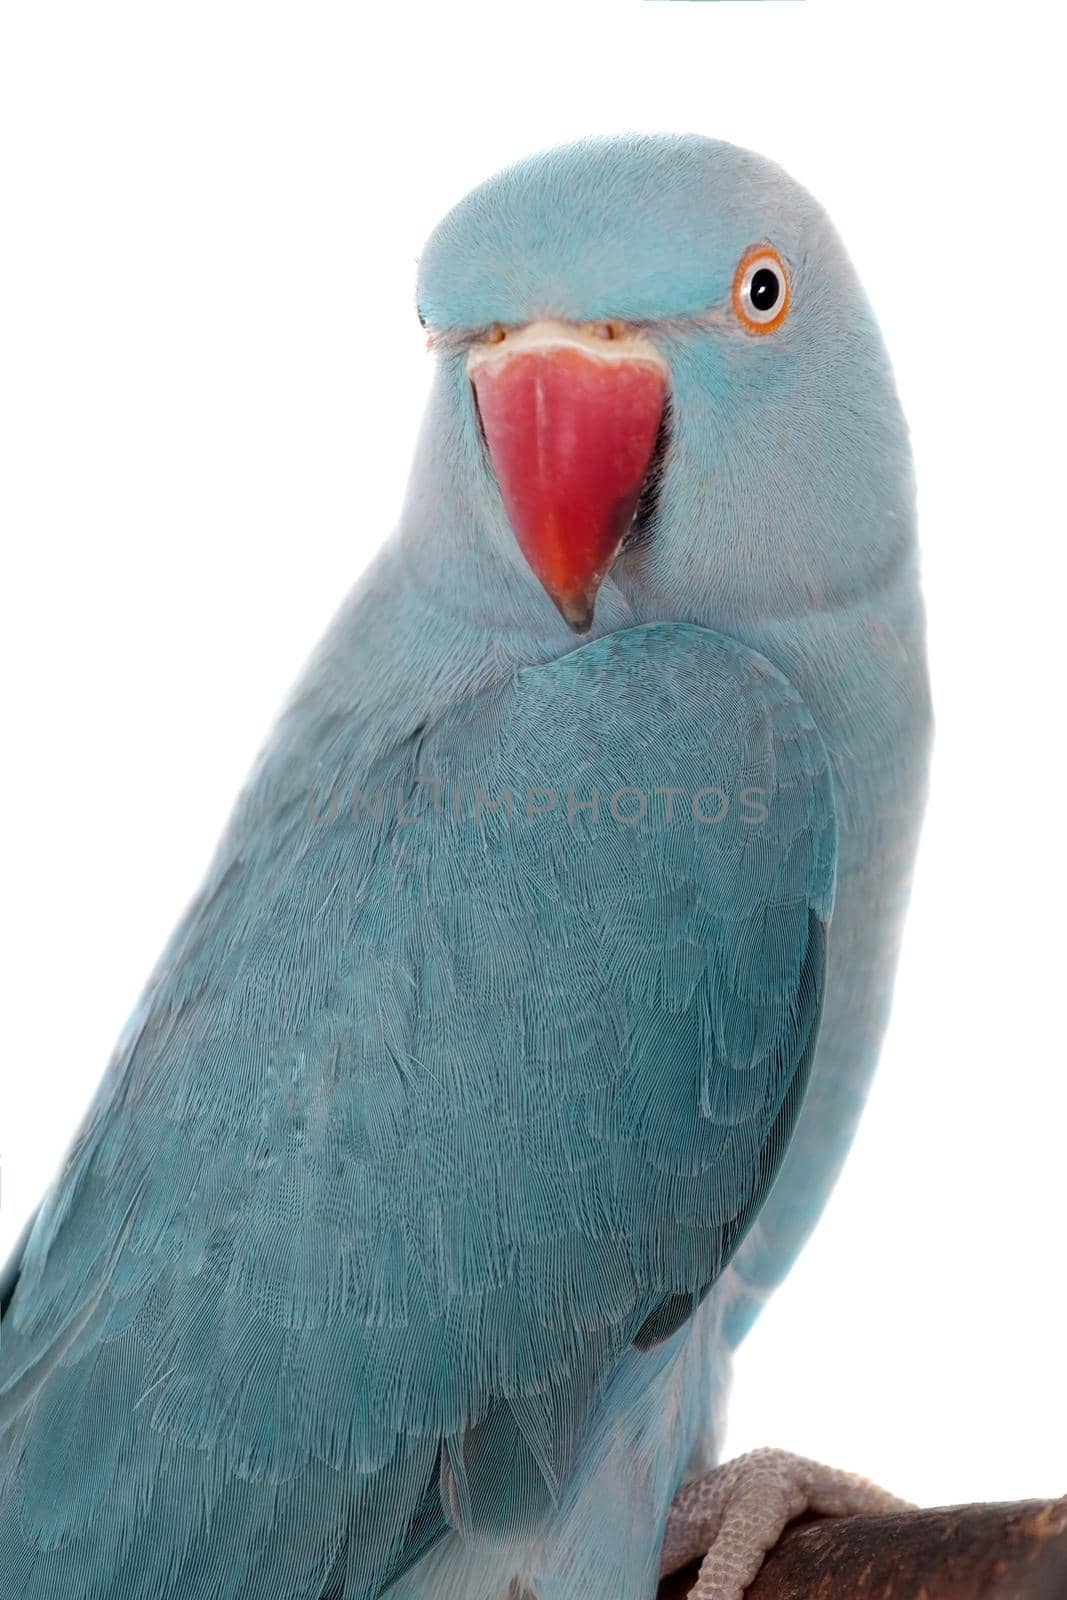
{"x":668,"y":387}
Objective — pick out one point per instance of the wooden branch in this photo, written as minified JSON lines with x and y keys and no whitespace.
{"x":980,"y":1552}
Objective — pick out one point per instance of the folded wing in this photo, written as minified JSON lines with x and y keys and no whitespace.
{"x":454,"y":1084}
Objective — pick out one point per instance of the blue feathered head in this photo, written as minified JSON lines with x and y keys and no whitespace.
{"x":668,"y":383}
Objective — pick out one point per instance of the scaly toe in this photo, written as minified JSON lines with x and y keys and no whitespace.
{"x":735,"y":1514}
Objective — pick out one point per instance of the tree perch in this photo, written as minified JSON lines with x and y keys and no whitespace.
{"x":979,"y":1552}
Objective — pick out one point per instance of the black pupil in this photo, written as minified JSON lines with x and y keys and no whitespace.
{"x":764,"y":289}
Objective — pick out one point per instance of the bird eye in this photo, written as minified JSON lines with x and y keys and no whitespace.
{"x":761,"y":291}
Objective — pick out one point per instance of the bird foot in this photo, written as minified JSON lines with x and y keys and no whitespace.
{"x":734,"y":1515}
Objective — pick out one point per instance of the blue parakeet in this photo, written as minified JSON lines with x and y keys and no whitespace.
{"x":510,"y":1049}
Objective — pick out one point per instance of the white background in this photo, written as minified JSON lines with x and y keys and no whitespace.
{"x":211,"y":381}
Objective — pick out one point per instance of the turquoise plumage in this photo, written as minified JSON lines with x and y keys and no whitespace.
{"x":434,"y":1176}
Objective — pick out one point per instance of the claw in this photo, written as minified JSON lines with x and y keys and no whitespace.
{"x":735,"y":1514}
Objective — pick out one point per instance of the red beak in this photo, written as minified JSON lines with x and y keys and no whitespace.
{"x":571,"y":422}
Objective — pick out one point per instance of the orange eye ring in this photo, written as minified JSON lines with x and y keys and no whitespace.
{"x":752,"y":317}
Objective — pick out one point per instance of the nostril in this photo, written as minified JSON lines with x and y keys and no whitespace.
{"x":605,"y":330}
{"x":496,"y":334}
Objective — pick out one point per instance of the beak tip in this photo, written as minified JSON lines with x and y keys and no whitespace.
{"x":578,"y":614}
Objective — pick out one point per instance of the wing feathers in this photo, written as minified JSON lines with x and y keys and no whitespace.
{"x":423,"y":1124}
